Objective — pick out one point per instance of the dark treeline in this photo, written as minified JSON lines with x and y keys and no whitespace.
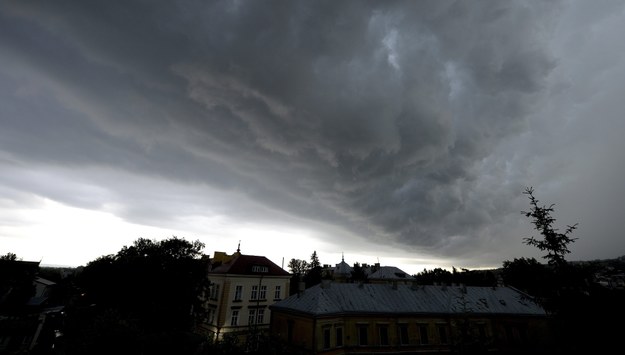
{"x":146,"y":299}
{"x":143,"y":300}
{"x":466,"y":277}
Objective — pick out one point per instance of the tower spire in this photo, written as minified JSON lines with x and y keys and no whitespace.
{"x":342,"y":256}
{"x":239,"y":247}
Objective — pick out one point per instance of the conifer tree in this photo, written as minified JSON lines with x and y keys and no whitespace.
{"x":553,"y":242}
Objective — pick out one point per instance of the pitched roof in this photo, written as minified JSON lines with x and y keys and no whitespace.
{"x":342,"y":298}
{"x":343,"y":268}
{"x":390,"y":273}
{"x":249,"y":265}
{"x":45,"y":282}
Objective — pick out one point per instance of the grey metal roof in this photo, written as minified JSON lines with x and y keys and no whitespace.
{"x":338,"y":298}
{"x":390,"y":273}
{"x":343,"y":268}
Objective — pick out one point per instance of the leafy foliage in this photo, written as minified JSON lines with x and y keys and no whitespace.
{"x":555,"y":243}
{"x":308,"y":273}
{"x":148,"y":292}
{"x":16,"y":283}
{"x":358,"y":273}
{"x":314,"y":272}
{"x":567,"y":290}
{"x":314,"y":261}
{"x":466,"y":277}
{"x":528,"y":275}
{"x":9,"y":257}
{"x":298,"y":266}
{"x":429,"y":277}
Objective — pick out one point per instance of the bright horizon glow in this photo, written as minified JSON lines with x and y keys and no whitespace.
{"x":65,"y":245}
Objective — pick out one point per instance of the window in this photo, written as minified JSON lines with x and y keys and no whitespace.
{"x":211,"y":316}
{"x":383,"y":332}
{"x":254,"y":292}
{"x":252,"y":316}
{"x":510,"y":334}
{"x":263,"y":292}
{"x":423,"y":332}
{"x":481,"y":328}
{"x":516,"y":334}
{"x":258,"y":268}
{"x":403,"y":334}
{"x":442,"y":334}
{"x":238,"y":292}
{"x":339,"y":337}
{"x":214,"y":291}
{"x":362,"y":335}
{"x":289,"y":331}
{"x":326,"y":338}
{"x":523,"y":334}
{"x":276,"y":294}
{"x":260,"y":316}
{"x":235,"y":317}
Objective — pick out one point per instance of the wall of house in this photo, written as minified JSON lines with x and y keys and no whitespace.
{"x":382,"y":333}
{"x":226,"y":301}
{"x":423,"y":334}
{"x":294,"y":331}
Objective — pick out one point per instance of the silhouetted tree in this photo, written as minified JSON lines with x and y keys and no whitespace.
{"x":313,"y":273}
{"x":562,"y":282}
{"x":298,"y":266}
{"x":147,"y":296}
{"x":9,"y":256}
{"x":482,"y":278}
{"x":314,"y":260}
{"x":16,"y":283}
{"x":429,"y":277}
{"x":358,"y":273}
{"x":528,"y":275}
{"x":563,"y":289}
{"x":555,"y":243}
{"x":309,"y":273}
{"x":467,"y":277}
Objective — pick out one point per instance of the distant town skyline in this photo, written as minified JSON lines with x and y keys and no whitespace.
{"x":398,"y":131}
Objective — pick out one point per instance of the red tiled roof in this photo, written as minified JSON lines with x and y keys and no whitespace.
{"x":250,"y":265}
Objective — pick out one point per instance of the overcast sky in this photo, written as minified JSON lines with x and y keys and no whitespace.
{"x":394,"y":131}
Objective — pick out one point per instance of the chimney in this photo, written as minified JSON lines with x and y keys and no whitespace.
{"x":500,"y":282}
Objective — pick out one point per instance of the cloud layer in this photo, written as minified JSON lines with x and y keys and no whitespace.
{"x":411,"y":124}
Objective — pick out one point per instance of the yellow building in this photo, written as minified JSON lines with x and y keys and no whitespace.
{"x":348,"y":318}
{"x":242,"y":288}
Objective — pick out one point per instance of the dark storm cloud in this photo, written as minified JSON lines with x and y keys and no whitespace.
{"x":384,"y":118}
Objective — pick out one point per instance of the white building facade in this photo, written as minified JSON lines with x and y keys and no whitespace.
{"x":242,"y":288}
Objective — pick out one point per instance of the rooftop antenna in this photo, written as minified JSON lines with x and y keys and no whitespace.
{"x":239,"y":247}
